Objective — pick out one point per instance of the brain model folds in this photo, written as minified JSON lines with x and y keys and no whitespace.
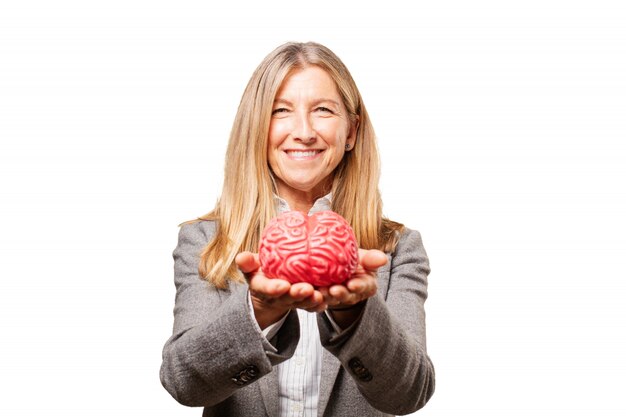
{"x":319,"y":249}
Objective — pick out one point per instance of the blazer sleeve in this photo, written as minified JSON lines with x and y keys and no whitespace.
{"x":216,"y":347}
{"x":385,"y":350}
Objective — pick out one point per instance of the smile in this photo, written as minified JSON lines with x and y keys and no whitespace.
{"x":303,"y":155}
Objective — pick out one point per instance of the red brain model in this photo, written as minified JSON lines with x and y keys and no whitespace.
{"x":320,"y":249}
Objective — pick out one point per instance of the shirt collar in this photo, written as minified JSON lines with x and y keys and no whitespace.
{"x":321,"y":204}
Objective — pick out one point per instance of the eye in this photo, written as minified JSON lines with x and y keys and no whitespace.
{"x":324,"y":109}
{"x":279,"y":110}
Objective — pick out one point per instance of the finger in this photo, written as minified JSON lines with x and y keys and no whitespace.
{"x":357,"y":285}
{"x":365,"y":284}
{"x":268,"y":287}
{"x":340,"y":293}
{"x":328,"y":299}
{"x":373,"y":259}
{"x":309,"y":303}
{"x":314,"y":303}
{"x":247,"y":262}
{"x":355,"y":290}
{"x":301,"y":290}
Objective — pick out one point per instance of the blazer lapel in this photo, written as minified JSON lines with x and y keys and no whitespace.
{"x":269,"y":392}
{"x":330,"y":369}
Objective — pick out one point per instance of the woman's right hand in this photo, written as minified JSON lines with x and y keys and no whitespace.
{"x":272,"y":298}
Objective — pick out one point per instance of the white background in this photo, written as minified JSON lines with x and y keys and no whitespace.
{"x":502,"y":129}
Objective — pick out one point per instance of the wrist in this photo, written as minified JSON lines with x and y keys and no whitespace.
{"x":350,"y":307}
{"x":344,"y":316}
{"x":266,"y":315}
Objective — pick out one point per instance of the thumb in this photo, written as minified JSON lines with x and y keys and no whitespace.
{"x":247,"y":262}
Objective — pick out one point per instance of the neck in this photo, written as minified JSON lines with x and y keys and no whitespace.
{"x":300,"y":200}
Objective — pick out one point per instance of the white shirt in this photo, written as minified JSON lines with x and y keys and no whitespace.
{"x":299,"y":377}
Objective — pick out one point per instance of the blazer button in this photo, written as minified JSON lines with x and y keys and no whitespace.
{"x":252,"y":371}
{"x":359,"y":370}
{"x":245,"y":375}
{"x":356,"y":365}
{"x":365,"y":376}
{"x":237,"y":381}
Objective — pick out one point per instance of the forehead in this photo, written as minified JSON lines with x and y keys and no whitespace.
{"x":311,"y":81}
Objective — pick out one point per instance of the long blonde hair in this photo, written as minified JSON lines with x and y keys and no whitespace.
{"x":247,"y":201}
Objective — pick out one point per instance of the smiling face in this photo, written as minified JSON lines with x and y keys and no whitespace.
{"x":308,"y":134}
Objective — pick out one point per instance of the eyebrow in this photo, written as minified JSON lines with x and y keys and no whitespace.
{"x":315,"y":102}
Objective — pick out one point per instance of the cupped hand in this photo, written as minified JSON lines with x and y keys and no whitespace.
{"x":272,"y":297}
{"x":361,"y":286}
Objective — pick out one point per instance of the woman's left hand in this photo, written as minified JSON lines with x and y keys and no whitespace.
{"x":361,"y":286}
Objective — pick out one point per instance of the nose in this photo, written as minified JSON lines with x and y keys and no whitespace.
{"x":303,"y":130}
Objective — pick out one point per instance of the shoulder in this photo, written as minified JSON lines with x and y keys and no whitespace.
{"x":409,"y":237}
{"x":402,"y":237}
{"x":197,"y":231}
{"x":410,"y":249}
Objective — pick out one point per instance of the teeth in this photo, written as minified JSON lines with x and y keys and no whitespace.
{"x":302,"y":154}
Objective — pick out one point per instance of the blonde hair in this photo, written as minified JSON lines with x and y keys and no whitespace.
{"x":247,"y":201}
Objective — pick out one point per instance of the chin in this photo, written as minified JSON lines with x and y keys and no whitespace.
{"x":303,"y":184}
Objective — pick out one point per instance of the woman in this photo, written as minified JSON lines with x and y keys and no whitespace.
{"x":246,"y":345}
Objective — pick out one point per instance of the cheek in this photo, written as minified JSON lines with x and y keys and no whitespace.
{"x":278,"y":131}
{"x":332,"y":131}
{"x":271,"y":138}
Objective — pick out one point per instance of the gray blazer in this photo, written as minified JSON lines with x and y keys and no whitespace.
{"x":216,"y":357}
